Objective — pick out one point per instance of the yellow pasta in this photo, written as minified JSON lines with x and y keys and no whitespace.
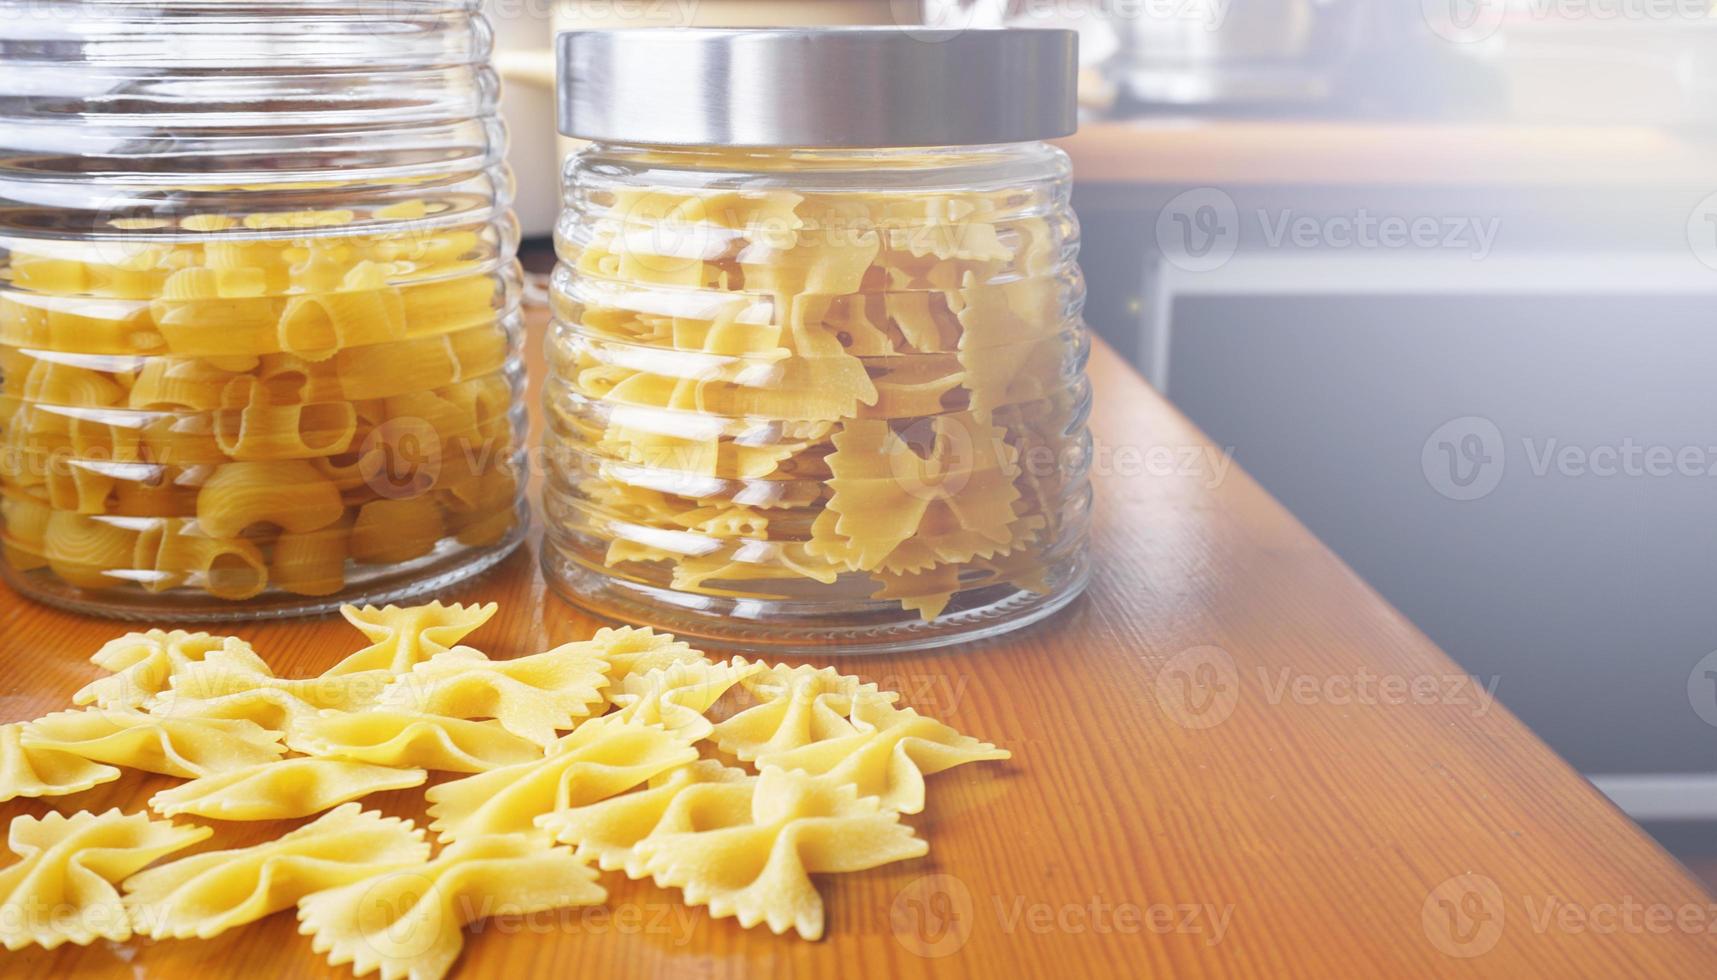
{"x":676,"y":697}
{"x":797,"y":706}
{"x":600,"y":758}
{"x":237,"y":383}
{"x":607,"y":831}
{"x":251,"y":426}
{"x":312,"y":562}
{"x":402,"y":638}
{"x":931,"y":336}
{"x":179,"y":383}
{"x":288,"y":494}
{"x":408,"y":923}
{"x":25,"y":532}
{"x":533,"y":697}
{"x":395,"y":531}
{"x":219,"y":676}
{"x":363,"y":311}
{"x":837,"y":763}
{"x":635,"y":650}
{"x":283,"y":790}
{"x":34,"y":772}
{"x":758,"y":870}
{"x":143,"y":664}
{"x":206,"y":894}
{"x":889,"y":756}
{"x":410,"y":740}
{"x":62,"y":888}
{"x":84,"y":551}
{"x":172,"y":552}
{"x":183,"y":747}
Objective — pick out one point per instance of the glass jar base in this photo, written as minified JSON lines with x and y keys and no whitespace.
{"x":420,"y":578}
{"x":752,"y":625}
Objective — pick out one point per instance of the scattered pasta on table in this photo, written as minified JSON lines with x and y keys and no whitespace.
{"x":731,"y":782}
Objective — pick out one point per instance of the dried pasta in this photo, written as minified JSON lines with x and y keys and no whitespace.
{"x":868,"y":368}
{"x":637,"y":785}
{"x":62,"y":888}
{"x":143,"y":664}
{"x":37,"y":772}
{"x":533,"y":697}
{"x":600,"y":758}
{"x":757,"y":868}
{"x":206,"y":894}
{"x":677,"y":696}
{"x":408,"y":923}
{"x":889,"y":756}
{"x":410,"y":740}
{"x":797,"y":706}
{"x":283,"y":790}
{"x":403,"y":638}
{"x":253,"y":384}
{"x":183,"y":747}
{"x":608,"y":830}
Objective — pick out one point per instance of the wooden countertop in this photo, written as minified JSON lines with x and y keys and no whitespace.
{"x":1223,"y":153}
{"x":1206,"y":782}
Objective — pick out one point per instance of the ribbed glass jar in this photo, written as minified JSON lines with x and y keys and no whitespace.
{"x":828,"y":400}
{"x":259,"y":328}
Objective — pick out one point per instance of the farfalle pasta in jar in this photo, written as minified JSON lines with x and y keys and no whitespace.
{"x":258,"y":304}
{"x":816,"y":368}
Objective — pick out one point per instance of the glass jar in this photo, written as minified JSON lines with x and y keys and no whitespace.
{"x":259,"y":306}
{"x":817,"y":376}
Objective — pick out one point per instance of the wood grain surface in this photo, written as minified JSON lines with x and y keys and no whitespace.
{"x":1231,"y":758}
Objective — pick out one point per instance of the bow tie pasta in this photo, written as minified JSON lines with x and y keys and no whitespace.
{"x":614,"y":752}
{"x":813,"y":397}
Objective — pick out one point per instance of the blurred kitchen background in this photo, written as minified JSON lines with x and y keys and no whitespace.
{"x":1443,"y":275}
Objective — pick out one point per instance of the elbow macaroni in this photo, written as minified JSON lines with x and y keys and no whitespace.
{"x":260,"y":403}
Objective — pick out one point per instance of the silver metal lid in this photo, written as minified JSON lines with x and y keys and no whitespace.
{"x":818,"y":87}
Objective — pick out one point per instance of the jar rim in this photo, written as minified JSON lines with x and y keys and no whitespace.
{"x":824,"y":87}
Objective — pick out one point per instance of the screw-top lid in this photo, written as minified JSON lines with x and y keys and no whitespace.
{"x":818,"y":87}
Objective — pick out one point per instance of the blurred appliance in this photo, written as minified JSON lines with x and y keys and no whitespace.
{"x":1445,"y":420}
{"x":1250,"y":52}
